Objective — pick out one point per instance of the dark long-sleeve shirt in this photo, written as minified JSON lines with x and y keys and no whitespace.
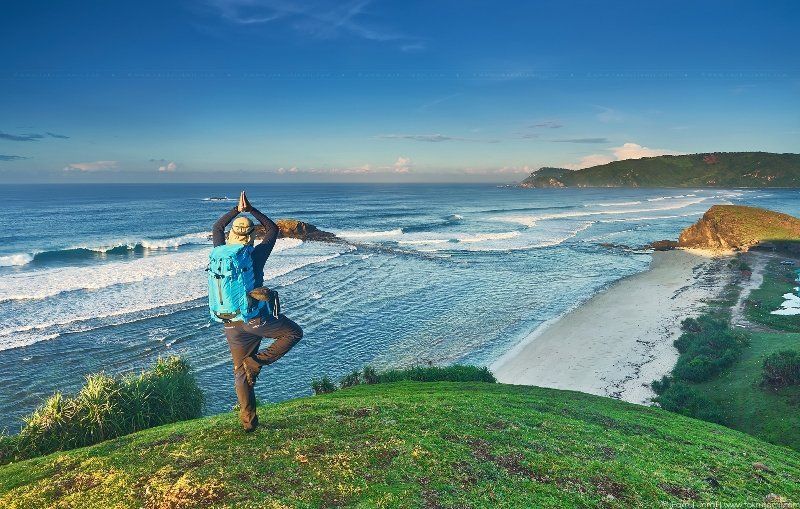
{"x":260,"y":252}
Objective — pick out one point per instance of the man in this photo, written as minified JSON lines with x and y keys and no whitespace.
{"x":244,"y":337}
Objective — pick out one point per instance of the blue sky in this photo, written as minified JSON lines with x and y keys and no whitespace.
{"x":262,"y":90}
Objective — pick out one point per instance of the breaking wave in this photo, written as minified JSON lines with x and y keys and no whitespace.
{"x":119,"y":247}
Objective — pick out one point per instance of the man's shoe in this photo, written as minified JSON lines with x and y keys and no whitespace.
{"x":251,"y":370}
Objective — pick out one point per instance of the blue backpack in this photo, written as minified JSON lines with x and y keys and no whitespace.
{"x":230,"y":279}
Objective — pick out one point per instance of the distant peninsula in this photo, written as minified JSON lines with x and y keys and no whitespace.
{"x":718,"y":169}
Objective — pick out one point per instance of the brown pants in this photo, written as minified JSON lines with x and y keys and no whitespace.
{"x":244,"y":341}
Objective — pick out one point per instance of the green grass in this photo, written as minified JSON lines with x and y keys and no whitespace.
{"x":778,"y":280}
{"x":744,"y":404}
{"x":412,"y":444}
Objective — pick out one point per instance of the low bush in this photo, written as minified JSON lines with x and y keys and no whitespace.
{"x":350,"y":380}
{"x":680,"y":398}
{"x":323,"y":386}
{"x":455,"y":373}
{"x":782,"y":369}
{"x":107,"y":407}
{"x":707,"y":345}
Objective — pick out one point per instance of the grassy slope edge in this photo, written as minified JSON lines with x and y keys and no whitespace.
{"x":417,"y":445}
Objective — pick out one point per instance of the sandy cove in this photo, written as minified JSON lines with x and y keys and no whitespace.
{"x":619,"y":341}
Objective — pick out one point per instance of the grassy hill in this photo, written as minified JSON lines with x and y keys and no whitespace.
{"x":722,"y":169}
{"x":418,"y":445}
{"x":739,"y":227}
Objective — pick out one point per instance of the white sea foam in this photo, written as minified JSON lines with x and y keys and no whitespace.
{"x":674,"y":197}
{"x":613,"y":204}
{"x":533,"y":219}
{"x":46,"y":283}
{"x":191,"y":238}
{"x":419,"y":242}
{"x":360,"y":234}
{"x":17,"y":259}
{"x":646,"y":218}
{"x":135,"y":299}
{"x":528,"y":221}
{"x":170,"y":242}
{"x":483,"y":237}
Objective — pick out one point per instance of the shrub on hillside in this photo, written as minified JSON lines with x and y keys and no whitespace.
{"x":107,"y":407}
{"x":350,"y":380}
{"x":455,"y":373}
{"x":782,"y":369}
{"x":707,"y":345}
{"x":323,"y":385}
{"x":680,"y":398}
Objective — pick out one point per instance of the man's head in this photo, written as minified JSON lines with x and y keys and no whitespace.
{"x":241,"y":231}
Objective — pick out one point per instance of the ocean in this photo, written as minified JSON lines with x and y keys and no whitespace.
{"x":110,"y":277}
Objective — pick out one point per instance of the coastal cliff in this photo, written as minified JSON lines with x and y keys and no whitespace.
{"x":739,"y":227}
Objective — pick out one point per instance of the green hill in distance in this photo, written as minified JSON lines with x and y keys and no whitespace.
{"x":719,"y":169}
{"x":425,"y":445}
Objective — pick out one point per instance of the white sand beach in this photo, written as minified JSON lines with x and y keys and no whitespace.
{"x":620,"y":340}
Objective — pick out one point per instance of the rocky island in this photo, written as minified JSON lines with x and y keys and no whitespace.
{"x":294,"y":229}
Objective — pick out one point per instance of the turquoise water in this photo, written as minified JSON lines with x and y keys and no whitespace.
{"x":110,"y":277}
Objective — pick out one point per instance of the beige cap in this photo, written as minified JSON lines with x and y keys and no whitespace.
{"x":241,"y":231}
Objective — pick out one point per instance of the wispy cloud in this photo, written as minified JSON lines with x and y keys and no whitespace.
{"x":402,"y":165}
{"x":502,"y":170}
{"x":636,"y":151}
{"x":589,"y":161}
{"x":430,"y":104}
{"x":30,"y":136}
{"x":4,"y":157}
{"x":335,"y":170}
{"x":323,"y":20}
{"x":608,"y":115}
{"x":549,"y":124}
{"x":625,"y":151}
{"x":432,"y":138}
{"x":168,"y":168}
{"x":20,"y":137}
{"x":582,"y":140}
{"x":92,"y":166}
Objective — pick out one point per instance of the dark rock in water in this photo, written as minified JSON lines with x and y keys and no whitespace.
{"x":662,"y":245}
{"x":611,"y":245}
{"x":740,"y":228}
{"x":294,"y":229}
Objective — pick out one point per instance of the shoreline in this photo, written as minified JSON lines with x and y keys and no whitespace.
{"x":621,"y":339}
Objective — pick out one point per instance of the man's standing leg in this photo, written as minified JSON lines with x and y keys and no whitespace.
{"x":243,"y":346}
